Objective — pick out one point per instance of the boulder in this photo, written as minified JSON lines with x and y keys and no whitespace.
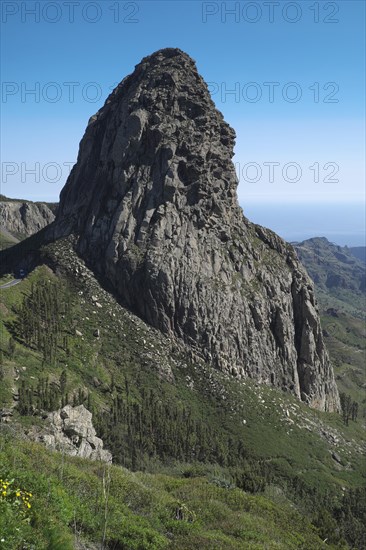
{"x":70,"y":430}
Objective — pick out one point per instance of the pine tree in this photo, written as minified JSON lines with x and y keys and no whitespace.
{"x":63,"y":382}
{"x":354,"y":411}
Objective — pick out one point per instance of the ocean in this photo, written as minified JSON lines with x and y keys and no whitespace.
{"x":342,"y":224}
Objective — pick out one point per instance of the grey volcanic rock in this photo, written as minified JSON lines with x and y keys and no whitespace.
{"x":71,"y":431}
{"x":152,"y":200}
{"x":24,"y":218}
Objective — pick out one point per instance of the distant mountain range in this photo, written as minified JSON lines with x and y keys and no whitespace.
{"x":339,"y":273}
{"x":332,"y":267}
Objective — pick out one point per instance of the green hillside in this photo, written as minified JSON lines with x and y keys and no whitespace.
{"x":6,"y":239}
{"x":88,"y":501}
{"x":246,"y":465}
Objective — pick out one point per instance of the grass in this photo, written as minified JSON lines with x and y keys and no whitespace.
{"x":6,"y":240}
{"x":142,"y":508}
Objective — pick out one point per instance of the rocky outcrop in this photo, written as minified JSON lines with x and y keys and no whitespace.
{"x":152,"y":201}
{"x":21,"y":219}
{"x":71,"y":431}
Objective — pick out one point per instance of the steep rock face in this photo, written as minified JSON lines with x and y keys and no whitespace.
{"x":153,"y":202}
{"x":24,"y":218}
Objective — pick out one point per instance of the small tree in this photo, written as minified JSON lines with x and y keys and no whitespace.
{"x":63,"y":382}
{"x":354,"y":411}
{"x":349,"y":408}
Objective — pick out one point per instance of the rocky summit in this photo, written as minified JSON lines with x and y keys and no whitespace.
{"x":152,"y":201}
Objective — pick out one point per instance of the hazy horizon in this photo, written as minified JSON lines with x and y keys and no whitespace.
{"x":341,"y":223}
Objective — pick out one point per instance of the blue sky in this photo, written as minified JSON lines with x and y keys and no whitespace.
{"x":295,"y":70}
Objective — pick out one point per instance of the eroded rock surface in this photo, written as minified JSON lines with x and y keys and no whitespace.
{"x":71,"y":431}
{"x":24,"y":218}
{"x":153,"y":203}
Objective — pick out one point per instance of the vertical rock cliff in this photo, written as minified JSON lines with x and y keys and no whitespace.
{"x":152,"y":200}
